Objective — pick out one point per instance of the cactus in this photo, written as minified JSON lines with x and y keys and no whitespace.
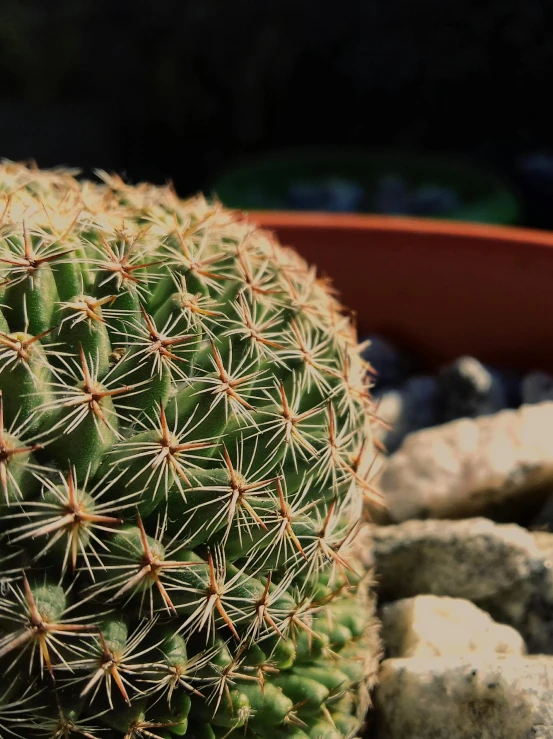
{"x":185,"y":442}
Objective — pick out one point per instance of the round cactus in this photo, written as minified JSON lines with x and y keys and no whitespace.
{"x":185,"y":441}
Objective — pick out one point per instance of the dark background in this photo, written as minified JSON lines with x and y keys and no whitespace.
{"x":180,"y":90}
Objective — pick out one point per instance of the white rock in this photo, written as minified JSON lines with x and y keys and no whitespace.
{"x":502,"y":568}
{"x":471,"y":466}
{"x":465,"y":698}
{"x":431,"y":626}
{"x":544,"y":542}
{"x":472,"y":558}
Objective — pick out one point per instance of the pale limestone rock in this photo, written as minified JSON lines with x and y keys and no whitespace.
{"x":544,"y":542}
{"x":528,"y":605}
{"x":459,"y":697}
{"x":504,"y":569}
{"x":472,"y":466}
{"x":431,"y":626}
{"x":474,"y":558}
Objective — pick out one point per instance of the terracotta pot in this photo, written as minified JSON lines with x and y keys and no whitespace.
{"x":439,"y":288}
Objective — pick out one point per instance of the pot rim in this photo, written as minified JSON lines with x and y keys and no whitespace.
{"x":270,"y":219}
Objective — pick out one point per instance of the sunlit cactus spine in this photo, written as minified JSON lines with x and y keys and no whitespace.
{"x":185,"y":447}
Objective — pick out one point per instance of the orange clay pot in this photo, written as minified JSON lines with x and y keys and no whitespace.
{"x":438,"y":288}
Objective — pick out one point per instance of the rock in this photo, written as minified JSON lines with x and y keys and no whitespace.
{"x":466,"y":389}
{"x":528,"y":605}
{"x":405,"y":410}
{"x":536,"y":623}
{"x":392,"y":366}
{"x":420,"y":394}
{"x":511,"y":381}
{"x":503,"y":569}
{"x":465,"y":698}
{"x":537,"y":387}
{"x":474,"y":559}
{"x":431,"y":626}
{"x":500,"y":466}
{"x":544,"y":519}
{"x":544,"y":542}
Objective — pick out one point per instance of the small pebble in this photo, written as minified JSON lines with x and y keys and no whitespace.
{"x":511,"y":381}
{"x":466,"y":389}
{"x":536,"y":387}
{"x":421,"y":394}
{"x":410,"y":408}
{"x":392,"y":366}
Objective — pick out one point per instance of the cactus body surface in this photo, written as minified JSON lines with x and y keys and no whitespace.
{"x":185,"y":442}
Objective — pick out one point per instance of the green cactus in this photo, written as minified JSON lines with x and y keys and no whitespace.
{"x":185,"y":441}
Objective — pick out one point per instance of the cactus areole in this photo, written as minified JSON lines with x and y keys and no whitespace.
{"x":185,"y":443}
